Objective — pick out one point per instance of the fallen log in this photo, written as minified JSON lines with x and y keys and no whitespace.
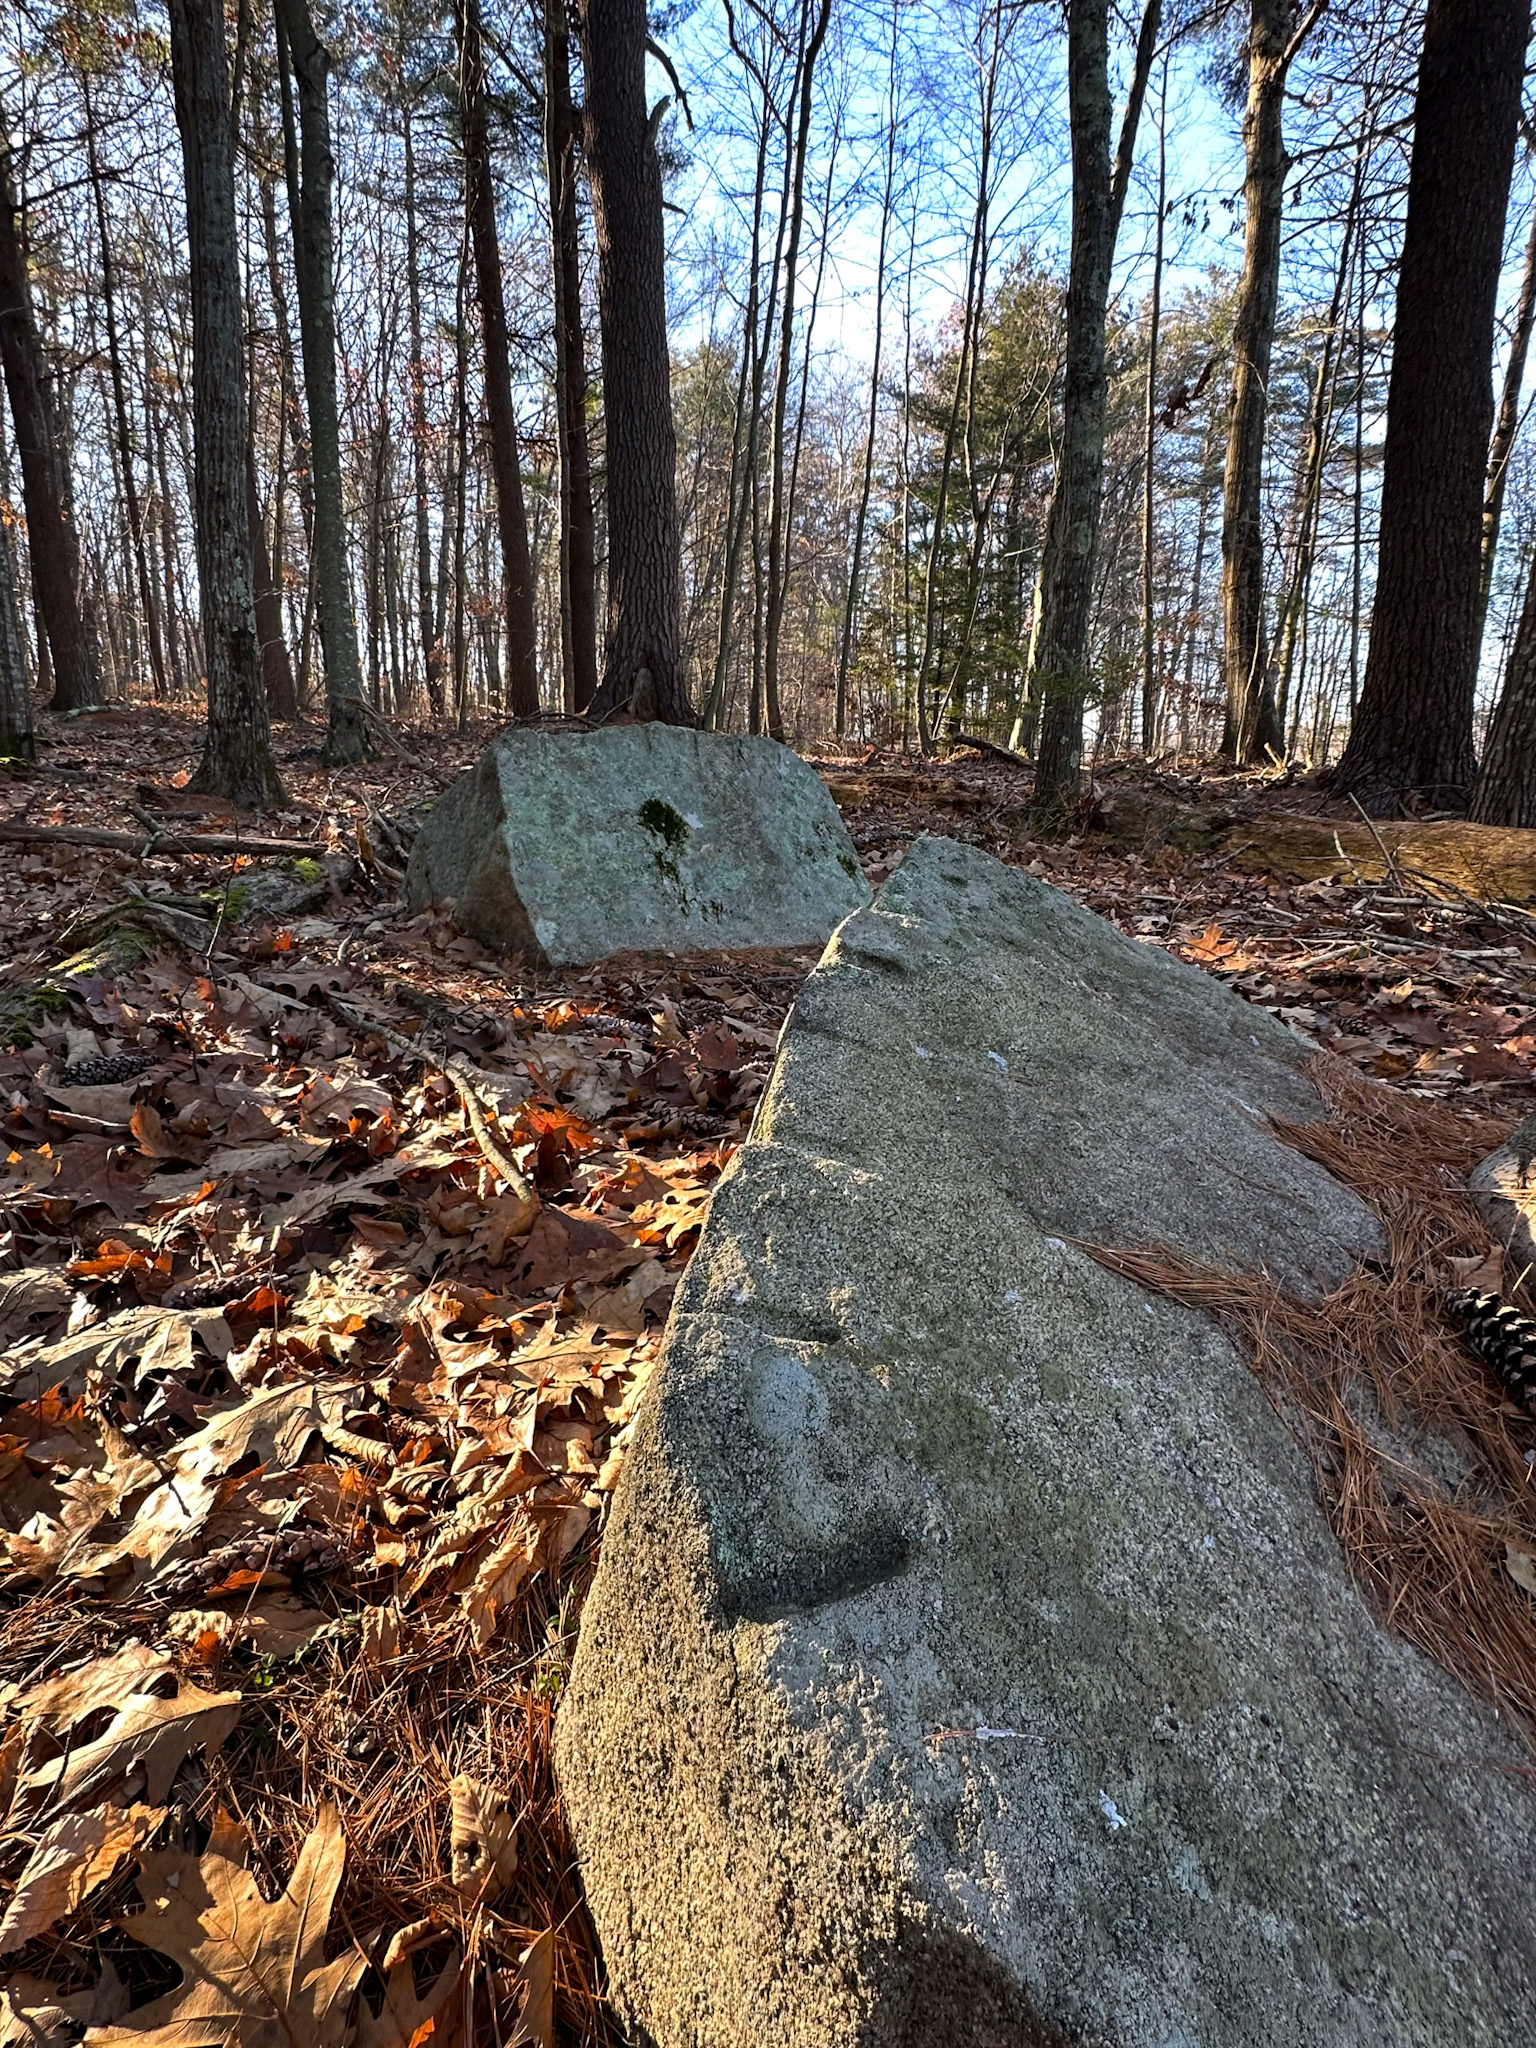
{"x":974,"y":739}
{"x":155,"y":842}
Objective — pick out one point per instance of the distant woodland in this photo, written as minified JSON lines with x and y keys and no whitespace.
{"x":1097,"y":380}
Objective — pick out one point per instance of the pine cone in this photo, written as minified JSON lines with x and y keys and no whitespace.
{"x":294,"y":1551}
{"x":1502,"y":1338}
{"x":110,"y":1068}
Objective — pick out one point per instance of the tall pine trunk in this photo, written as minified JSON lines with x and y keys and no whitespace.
{"x":431,"y":637}
{"x":642,"y":671}
{"x":511,"y":517}
{"x":52,"y":541}
{"x":578,"y":538}
{"x":1059,"y":645}
{"x":1252,"y":723}
{"x":1412,"y":733}
{"x":1506,"y":427}
{"x":311,"y":172}
{"x":237,"y":755}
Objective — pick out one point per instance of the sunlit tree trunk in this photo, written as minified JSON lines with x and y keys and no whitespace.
{"x":642,"y":672}
{"x":1412,"y":733}
{"x":1059,"y":645}
{"x":237,"y":755}
{"x":1276,"y":31}
{"x":511,"y":515}
{"x":578,"y":539}
{"x":431,"y":638}
{"x":777,"y":505}
{"x":310,"y":176}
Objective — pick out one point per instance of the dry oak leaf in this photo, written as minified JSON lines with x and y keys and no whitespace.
{"x":407,"y":2019}
{"x":70,"y":1696}
{"x":483,"y":1841}
{"x":140,"y":1753}
{"x":535,"y":1985}
{"x":75,"y":1855}
{"x":254,"y":1974}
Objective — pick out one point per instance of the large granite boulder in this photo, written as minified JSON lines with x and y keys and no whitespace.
{"x":969,"y":1661}
{"x":565,"y":847}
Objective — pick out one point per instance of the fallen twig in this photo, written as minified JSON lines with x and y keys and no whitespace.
{"x":466,"y":1080}
{"x":159,"y":842}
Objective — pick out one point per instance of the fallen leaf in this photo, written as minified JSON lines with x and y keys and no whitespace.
{"x":535,"y":1985}
{"x":71,"y":1858}
{"x":483,"y":1840}
{"x":1521,"y":1567}
{"x":253,"y":1973}
{"x":71,"y":1696}
{"x":405,"y":2019}
{"x":139,"y":1754}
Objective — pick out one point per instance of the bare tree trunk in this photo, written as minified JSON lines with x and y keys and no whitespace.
{"x":1149,"y":689}
{"x":1274,"y":37}
{"x":131,"y":501}
{"x":777,"y":521}
{"x":642,"y":672}
{"x":1059,"y":646}
{"x":578,"y":539}
{"x":1506,"y":426}
{"x":1412,"y":735}
{"x":512,"y":519}
{"x":1506,"y":784}
{"x":850,"y":615}
{"x":431,"y":638}
{"x":237,"y":755}
{"x":276,"y":668}
{"x":16,"y":742}
{"x":309,"y":199}
{"x":53,"y":544}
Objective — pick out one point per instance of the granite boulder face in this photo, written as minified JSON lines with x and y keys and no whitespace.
{"x":969,"y":1661}
{"x":567,"y":847}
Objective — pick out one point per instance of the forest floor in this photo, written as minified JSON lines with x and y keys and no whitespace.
{"x":311,"y":1424}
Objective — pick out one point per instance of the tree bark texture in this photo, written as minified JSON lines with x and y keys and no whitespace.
{"x":52,"y":542}
{"x":578,"y":539}
{"x":642,"y":672}
{"x":310,"y":206}
{"x":511,"y":516}
{"x":237,"y":755}
{"x":431,"y":638}
{"x":15,"y":699}
{"x":1275,"y":32}
{"x":1412,"y":733}
{"x":276,"y":668}
{"x":1059,"y":658}
{"x":1506,"y":784}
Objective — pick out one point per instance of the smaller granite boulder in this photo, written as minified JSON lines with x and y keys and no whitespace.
{"x":566,"y":847}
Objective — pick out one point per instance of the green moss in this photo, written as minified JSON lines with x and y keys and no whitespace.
{"x":308,"y":871}
{"x":660,"y":818}
{"x":671,"y":830}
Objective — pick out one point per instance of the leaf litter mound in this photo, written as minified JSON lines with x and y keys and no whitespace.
{"x":335,"y":1258}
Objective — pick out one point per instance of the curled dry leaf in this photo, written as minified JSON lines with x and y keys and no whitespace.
{"x":254,"y":1974}
{"x":72,"y":1857}
{"x":483,"y":1842}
